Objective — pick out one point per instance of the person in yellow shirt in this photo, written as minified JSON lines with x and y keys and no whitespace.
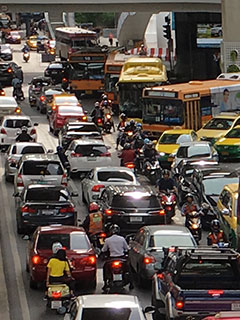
{"x":58,"y":268}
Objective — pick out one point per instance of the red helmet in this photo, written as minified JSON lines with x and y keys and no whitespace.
{"x":93,"y":207}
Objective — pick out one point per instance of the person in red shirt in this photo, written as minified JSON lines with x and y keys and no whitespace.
{"x":127,"y":154}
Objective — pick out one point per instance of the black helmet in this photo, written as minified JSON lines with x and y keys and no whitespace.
{"x":189,"y":195}
{"x":24,"y":129}
{"x":166,"y":172}
{"x":123,"y":116}
{"x":114,"y":229}
{"x":215,"y":225}
{"x":127,"y":146}
{"x":132,"y":122}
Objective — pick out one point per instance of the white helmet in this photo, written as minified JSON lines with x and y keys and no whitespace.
{"x":56,"y":246}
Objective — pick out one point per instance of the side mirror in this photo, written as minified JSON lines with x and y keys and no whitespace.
{"x":16,"y":194}
{"x":225,"y":212}
{"x":35,"y":124}
{"x":150,"y":309}
{"x":85,"y":111}
{"x":130,"y":237}
{"x":50,"y":151}
{"x":74,"y":194}
{"x":108,"y":147}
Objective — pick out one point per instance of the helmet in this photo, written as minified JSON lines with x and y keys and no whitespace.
{"x":114,"y":229}
{"x":127,"y":146}
{"x":132,"y":122}
{"x":139,"y":126}
{"x":93,"y":207}
{"x":165,"y":172}
{"x":146,"y":141}
{"x":59,"y":148}
{"x":104,"y":97}
{"x":56,"y":246}
{"x":123,"y":116}
{"x":105,"y":103}
{"x":215,"y":225}
{"x":97,"y":104}
{"x":24,"y":129}
{"x":189,"y":195}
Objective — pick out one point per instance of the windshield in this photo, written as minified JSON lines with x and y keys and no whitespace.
{"x":193,"y":151}
{"x":66,"y":100}
{"x":165,"y":240}
{"x":169,"y":138}
{"x":47,"y":194}
{"x":44,"y":168}
{"x":70,"y":110}
{"x":219,"y":124}
{"x":17,"y":123}
{"x":162,"y":111}
{"x":148,"y":202}
{"x":110,"y":82}
{"x":89,"y":150}
{"x":84,"y":42}
{"x":214,"y":186}
{"x":83,"y":128}
{"x":87,"y":71}
{"x":234,"y":133}
{"x":111,"y":313}
{"x":114,"y":176}
{"x":75,"y":241}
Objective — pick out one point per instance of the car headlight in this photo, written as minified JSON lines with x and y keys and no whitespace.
{"x":162,"y":154}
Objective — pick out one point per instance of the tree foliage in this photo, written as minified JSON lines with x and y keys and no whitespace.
{"x":104,"y":19}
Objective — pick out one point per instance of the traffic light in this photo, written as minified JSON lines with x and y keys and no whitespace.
{"x":167,"y":29}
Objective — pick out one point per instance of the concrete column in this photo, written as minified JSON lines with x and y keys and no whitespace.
{"x":71,"y":19}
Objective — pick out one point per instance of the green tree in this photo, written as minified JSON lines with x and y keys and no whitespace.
{"x":105,"y":19}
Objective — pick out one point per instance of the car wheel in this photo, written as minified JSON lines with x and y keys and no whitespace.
{"x":33,"y":284}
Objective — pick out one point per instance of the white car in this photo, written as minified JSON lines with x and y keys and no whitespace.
{"x":16,"y":151}
{"x":100,"y":177}
{"x":84,"y":155}
{"x":8,"y":105}
{"x":105,"y":306}
{"x":11,"y":125}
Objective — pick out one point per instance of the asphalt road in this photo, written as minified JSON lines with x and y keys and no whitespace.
{"x":22,"y":302}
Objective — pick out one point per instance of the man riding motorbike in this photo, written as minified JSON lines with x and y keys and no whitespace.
{"x":25,"y":48}
{"x":96,"y":113}
{"x":93,"y":222}
{"x":17,"y":87}
{"x":127,"y":155}
{"x":188,"y":207}
{"x":121,"y":126}
{"x":24,"y":136}
{"x":107,"y":110}
{"x":131,"y":126}
{"x":166,"y":183}
{"x":117,"y":247}
{"x":216,"y":235}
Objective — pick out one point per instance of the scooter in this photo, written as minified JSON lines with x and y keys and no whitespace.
{"x":152,"y":170}
{"x":58,"y":297}
{"x":18,"y":94}
{"x":168,"y":201}
{"x":97,"y":241}
{"x":194,"y":224}
{"x":26,"y":56}
{"x":108,"y":123}
{"x":127,"y":137}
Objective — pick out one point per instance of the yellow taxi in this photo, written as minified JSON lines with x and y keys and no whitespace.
{"x":169,"y":141}
{"x":218,"y":126}
{"x":228,"y":147}
{"x":32,"y":42}
{"x":227,"y":207}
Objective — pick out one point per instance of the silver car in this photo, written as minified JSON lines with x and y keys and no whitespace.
{"x":41,"y":169}
{"x":16,"y":151}
{"x":84,"y":155}
{"x":100,"y":177}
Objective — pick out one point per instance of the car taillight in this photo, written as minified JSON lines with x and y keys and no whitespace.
{"x":105,"y":154}
{"x":54,"y":108}
{"x":2,"y":92}
{"x":36,"y":259}
{"x":90,"y":260}
{"x":3,"y":131}
{"x":64,"y":80}
{"x":42,"y":98}
{"x":28,"y":209}
{"x":33,"y":131}
{"x":83,"y":118}
{"x":9,"y":70}
{"x":67,"y":209}
{"x":215,"y":292}
{"x":102,"y":235}
{"x":56,"y":294}
{"x":160,"y":276}
{"x":179,"y":304}
{"x":64,"y":181}
{"x":116,"y":264}
{"x":20,"y":181}
{"x":76,"y":155}
{"x":108,"y":116}
{"x":17,"y":110}
{"x":130,"y":165}
{"x":161,"y":212}
{"x":149,"y":259}
{"x":98,"y":187}
{"x":108,"y":212}
{"x":99,"y":120}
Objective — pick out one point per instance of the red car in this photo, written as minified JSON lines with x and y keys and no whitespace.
{"x":78,"y":248}
{"x":228,"y":315}
{"x":59,"y":115}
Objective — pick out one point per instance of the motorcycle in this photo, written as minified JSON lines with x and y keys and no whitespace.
{"x":130,"y":165}
{"x":58,"y":297}
{"x":26,"y":56}
{"x":97,"y":241}
{"x":108,"y":123}
{"x":117,"y":275}
{"x":99,"y":122}
{"x":18,"y":94}
{"x":168,"y":201}
{"x":152,"y":170}
{"x":139,"y":160}
{"x":65,"y":84}
{"x":194,"y":224}
{"x":127,"y":137}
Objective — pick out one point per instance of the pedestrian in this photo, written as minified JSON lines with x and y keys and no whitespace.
{"x":110,"y":38}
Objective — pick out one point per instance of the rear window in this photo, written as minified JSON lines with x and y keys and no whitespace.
{"x":70,"y":110}
{"x":32,"y":149}
{"x":8,"y":101}
{"x":75,"y":241}
{"x":83,"y":128}
{"x":90,"y":150}
{"x":165,"y":240}
{"x":124,"y":201}
{"x":193,"y":151}
{"x":47,"y":194}
{"x":114,"y":176}
{"x":19,"y":123}
{"x":4,"y":66}
{"x":45,"y":168}
{"x":111,"y":313}
{"x":55,"y":66}
{"x":66,"y":100}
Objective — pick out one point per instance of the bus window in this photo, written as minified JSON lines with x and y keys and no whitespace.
{"x":87,"y":71}
{"x":206,"y":106}
{"x":111,"y":81}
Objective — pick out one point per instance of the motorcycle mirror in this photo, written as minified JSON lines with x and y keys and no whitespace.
{"x":35,"y":124}
{"x":225,"y":212}
{"x":50,"y":151}
{"x":74,"y":194}
{"x":26,"y":237}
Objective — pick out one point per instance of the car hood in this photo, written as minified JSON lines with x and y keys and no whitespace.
{"x":228,"y":142}
{"x":211,"y":133}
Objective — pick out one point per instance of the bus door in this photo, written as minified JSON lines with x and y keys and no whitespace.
{"x":193,"y":115}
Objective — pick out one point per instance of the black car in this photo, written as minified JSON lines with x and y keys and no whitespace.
{"x":8,"y":71}
{"x":6,"y":52}
{"x":45,"y":96}
{"x":57,"y":71}
{"x":35,"y":86}
{"x":39,"y":205}
{"x":131,"y":207}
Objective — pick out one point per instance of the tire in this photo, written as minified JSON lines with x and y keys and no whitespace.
{"x":33,"y":284}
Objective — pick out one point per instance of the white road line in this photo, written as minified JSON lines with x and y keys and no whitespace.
{"x":13,"y":245}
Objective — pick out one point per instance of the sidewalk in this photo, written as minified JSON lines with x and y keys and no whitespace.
{"x":4,"y":307}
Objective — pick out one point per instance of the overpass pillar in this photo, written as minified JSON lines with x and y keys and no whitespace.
{"x":231,"y":35}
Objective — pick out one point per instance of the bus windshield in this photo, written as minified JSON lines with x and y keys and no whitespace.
{"x":111,"y":81}
{"x":87,"y":71}
{"x":162,"y":111}
{"x":84,"y":42}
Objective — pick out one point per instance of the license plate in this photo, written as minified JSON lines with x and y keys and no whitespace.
{"x":54,"y":72}
{"x":235,"y":306}
{"x":48,"y":212}
{"x":56,"y":304}
{"x":91,"y":159}
{"x":88,"y":92}
{"x":117,"y":277}
{"x":225,"y":153}
{"x":41,"y":182}
{"x":135,"y":219}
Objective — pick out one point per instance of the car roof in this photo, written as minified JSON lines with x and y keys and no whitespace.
{"x":227,"y":115}
{"x":108,"y":301}
{"x":37,"y":157}
{"x":194,"y":143}
{"x":233,"y":187}
{"x":21,"y":144}
{"x":167,"y":229}
{"x":44,"y":186}
{"x":20,"y":117}
{"x":88,"y":142}
{"x":178,"y":131}
{"x":130,"y":188}
{"x":58,"y":228}
{"x":110,"y":169}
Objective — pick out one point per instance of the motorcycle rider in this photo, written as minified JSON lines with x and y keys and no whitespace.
{"x":107,"y":109}
{"x":216,"y":235}
{"x":63,"y":158}
{"x":93,"y":222}
{"x":127,"y":154}
{"x":188,"y":207}
{"x":149,"y":151}
{"x":24,"y":136}
{"x":117,"y":247}
{"x":17,"y":86}
{"x":166,"y":183}
{"x":96,"y":112}
{"x":121,"y":126}
{"x":131,"y":126}
{"x":25,"y":48}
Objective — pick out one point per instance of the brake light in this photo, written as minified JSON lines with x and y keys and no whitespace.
{"x":64,"y":180}
{"x":90,"y":260}
{"x":161,"y":212}
{"x":2,"y":92}
{"x":99,"y":120}
{"x":76,"y":155}
{"x":42,"y":98}
{"x":36,"y":259}
{"x":3,"y":131}
{"x":130,"y":165}
{"x":108,"y":116}
{"x":67,"y":209}
{"x":33,"y":131}
{"x":84,"y":118}
{"x":160,"y":276}
{"x":17,"y":110}
{"x":102,"y":235}
{"x":98,"y":187}
{"x":149,"y":259}
{"x":20,"y":181}
{"x":116,"y":264}
{"x":56,"y":294}
{"x":54,"y":107}
{"x":9,"y":70}
{"x":108,"y":212}
{"x":27,"y":209}
{"x":64,"y":80}
{"x":215,"y":292}
{"x":179,"y":304}
{"x":106,"y":154}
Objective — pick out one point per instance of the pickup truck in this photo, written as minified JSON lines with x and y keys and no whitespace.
{"x":195,"y":283}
